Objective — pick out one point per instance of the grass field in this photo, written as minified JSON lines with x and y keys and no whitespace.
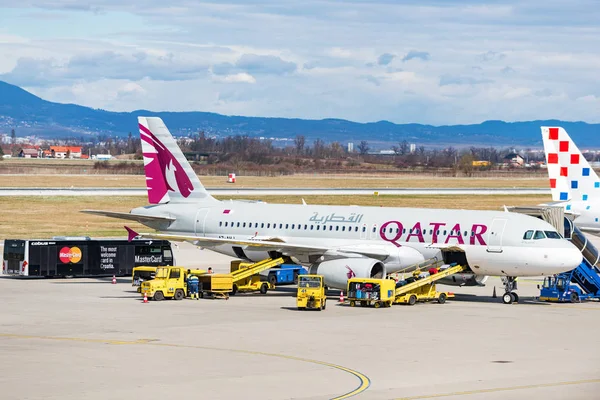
{"x":43,"y":217}
{"x":293,"y":181}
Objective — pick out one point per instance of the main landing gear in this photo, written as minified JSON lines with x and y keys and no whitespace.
{"x":510,"y":284}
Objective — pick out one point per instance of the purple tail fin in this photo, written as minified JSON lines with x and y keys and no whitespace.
{"x":169,"y":176}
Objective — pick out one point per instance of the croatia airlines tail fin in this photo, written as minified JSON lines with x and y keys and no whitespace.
{"x":169,"y":176}
{"x":571,"y":177}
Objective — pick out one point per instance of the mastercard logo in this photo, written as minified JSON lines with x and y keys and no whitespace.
{"x":70,"y":254}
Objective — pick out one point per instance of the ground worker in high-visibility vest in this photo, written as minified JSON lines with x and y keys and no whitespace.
{"x":193,"y":285}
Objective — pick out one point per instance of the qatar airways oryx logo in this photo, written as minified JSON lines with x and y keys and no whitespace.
{"x":350,"y":274}
{"x":435,"y":232}
{"x":163,"y":171}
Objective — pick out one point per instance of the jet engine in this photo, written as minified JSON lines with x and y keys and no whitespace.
{"x":337,"y":272}
{"x":464,"y":279}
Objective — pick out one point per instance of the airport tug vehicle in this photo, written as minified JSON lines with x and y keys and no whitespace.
{"x":169,"y":282}
{"x":311,"y":293}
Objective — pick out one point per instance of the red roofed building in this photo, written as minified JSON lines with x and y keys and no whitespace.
{"x":65,"y":151}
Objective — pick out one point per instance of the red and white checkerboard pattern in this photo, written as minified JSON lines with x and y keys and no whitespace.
{"x":571,"y":177}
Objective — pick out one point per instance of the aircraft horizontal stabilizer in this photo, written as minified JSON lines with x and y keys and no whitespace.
{"x":128,"y":216}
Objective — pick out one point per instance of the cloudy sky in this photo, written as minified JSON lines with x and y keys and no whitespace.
{"x":438,"y":62}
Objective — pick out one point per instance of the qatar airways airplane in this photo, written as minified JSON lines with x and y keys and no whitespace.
{"x":340,"y":242}
{"x":573,"y":182}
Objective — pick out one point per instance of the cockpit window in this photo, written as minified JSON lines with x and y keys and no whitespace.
{"x":528,"y":235}
{"x":539,"y":235}
{"x":552,"y":235}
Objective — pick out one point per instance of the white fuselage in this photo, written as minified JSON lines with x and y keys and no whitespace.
{"x":587,"y":214}
{"x":493,"y":241}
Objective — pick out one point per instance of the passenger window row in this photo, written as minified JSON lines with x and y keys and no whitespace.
{"x":305,"y":227}
{"x":267,"y":225}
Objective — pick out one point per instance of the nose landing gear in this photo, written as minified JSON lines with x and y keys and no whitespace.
{"x":510,"y":284}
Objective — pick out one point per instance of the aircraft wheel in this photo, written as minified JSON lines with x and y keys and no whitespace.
{"x":515,"y":296}
{"x":508,"y":298}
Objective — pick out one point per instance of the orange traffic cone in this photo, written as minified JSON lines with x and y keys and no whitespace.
{"x":145,"y":298}
{"x":114,"y":280}
{"x":341,"y":296}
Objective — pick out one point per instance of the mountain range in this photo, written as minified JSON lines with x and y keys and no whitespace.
{"x":31,"y":115}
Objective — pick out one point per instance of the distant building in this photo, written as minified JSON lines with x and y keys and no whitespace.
{"x":514,"y":159}
{"x":350,"y":147}
{"x":30,"y":151}
{"x":65,"y":151}
{"x":413,"y":147}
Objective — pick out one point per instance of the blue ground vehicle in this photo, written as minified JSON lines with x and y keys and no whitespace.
{"x":286,"y":274}
{"x":582,"y":283}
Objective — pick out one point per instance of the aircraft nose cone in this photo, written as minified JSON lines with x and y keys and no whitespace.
{"x":568,"y":258}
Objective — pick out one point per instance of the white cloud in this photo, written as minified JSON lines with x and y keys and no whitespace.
{"x":240,"y":77}
{"x":496,"y":60}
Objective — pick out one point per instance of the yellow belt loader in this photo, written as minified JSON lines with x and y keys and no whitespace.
{"x":424,"y":289}
{"x":246,"y":276}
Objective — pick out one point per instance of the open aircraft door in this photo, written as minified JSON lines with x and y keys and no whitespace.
{"x":494,"y":244}
{"x":200,"y":219}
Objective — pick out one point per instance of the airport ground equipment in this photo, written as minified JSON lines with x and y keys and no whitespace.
{"x":286,"y":274}
{"x":82,"y":256}
{"x":369,"y":291}
{"x":246,"y":276}
{"x":311,"y":293}
{"x":582,"y":283}
{"x":169,"y":282}
{"x":141,"y":274}
{"x":424,"y":289}
{"x":215,"y":285}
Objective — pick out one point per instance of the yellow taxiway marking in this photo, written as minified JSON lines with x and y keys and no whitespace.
{"x":364,"y":384}
{"x":503,"y":389}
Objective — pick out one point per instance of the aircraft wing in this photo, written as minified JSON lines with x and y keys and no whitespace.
{"x":271,"y":244}
{"x":593,"y":231}
{"x":129,"y":216}
{"x":266,"y":245}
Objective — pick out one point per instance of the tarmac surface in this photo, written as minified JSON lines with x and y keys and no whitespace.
{"x":88,"y":339}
